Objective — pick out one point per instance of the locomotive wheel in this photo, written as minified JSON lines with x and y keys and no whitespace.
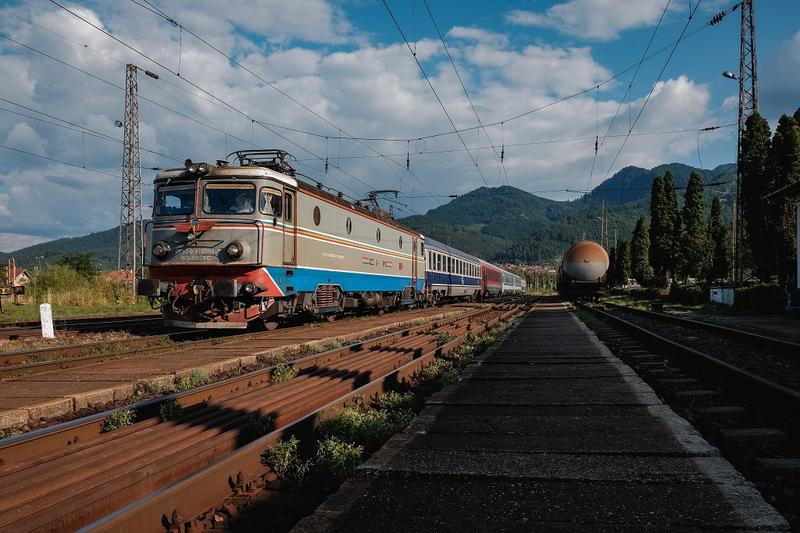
{"x":330,"y":318}
{"x":270,"y":326}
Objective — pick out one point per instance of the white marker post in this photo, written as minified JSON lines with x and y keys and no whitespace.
{"x":46,"y":317}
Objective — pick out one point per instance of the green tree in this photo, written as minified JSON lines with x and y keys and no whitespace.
{"x":695,"y":252}
{"x":663,"y":221}
{"x":623,"y":262}
{"x":640,"y":252}
{"x":720,"y":243}
{"x":784,"y":166}
{"x":756,"y":182}
{"x":611,"y":274}
{"x":81,"y":263}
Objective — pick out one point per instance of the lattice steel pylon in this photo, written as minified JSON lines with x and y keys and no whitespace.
{"x":748,"y":104}
{"x":131,"y":246}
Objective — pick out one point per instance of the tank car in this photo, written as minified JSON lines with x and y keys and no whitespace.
{"x":583,"y":270}
{"x":450,"y":273}
{"x":234,"y":244}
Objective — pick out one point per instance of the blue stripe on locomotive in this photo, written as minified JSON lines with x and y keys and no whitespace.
{"x":307,"y":279}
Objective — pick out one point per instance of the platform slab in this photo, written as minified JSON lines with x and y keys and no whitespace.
{"x":548,"y":432}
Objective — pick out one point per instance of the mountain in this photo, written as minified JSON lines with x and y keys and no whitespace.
{"x":103,"y":244}
{"x":503,"y":224}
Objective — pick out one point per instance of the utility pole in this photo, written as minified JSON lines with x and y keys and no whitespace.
{"x":748,"y":103}
{"x":131,"y":246}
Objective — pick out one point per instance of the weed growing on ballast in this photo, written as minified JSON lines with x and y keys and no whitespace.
{"x":367,"y":427}
{"x":283,"y":458}
{"x":282,"y":372}
{"x":436,"y":375}
{"x":118,"y":420}
{"x":195,"y":378}
{"x":444,"y":338}
{"x":338,"y":458}
{"x":169,"y":410}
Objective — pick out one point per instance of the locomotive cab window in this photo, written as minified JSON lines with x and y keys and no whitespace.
{"x":288,"y":213}
{"x":174,"y":201}
{"x":229,"y":198}
{"x":270,"y":202}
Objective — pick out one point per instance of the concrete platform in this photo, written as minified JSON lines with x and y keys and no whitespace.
{"x":548,"y":432}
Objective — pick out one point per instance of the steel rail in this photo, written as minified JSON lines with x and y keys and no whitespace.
{"x":240,"y":472}
{"x":777,"y":398}
{"x":789,"y":347}
{"x":60,"y":436}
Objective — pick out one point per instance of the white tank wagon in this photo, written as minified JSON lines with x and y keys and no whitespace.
{"x":583,"y":270}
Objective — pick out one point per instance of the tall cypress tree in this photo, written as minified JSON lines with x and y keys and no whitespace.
{"x":664,"y":227}
{"x":695,"y":252}
{"x":756,"y":182}
{"x":623,"y":262}
{"x":784,"y":165}
{"x":640,"y":252}
{"x":611,"y":275}
{"x":659,"y":232}
{"x":720,"y":243}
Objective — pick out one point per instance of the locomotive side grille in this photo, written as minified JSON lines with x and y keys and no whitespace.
{"x":327,"y":296}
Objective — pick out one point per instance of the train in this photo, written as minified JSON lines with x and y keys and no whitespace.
{"x":583,"y":270}
{"x":248,"y":243}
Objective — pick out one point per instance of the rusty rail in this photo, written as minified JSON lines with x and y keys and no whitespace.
{"x":128,"y":464}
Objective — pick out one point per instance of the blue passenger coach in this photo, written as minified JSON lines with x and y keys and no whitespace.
{"x":450,"y":273}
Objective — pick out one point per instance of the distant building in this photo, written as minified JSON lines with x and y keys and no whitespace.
{"x":15,"y":275}
{"x":119,"y":275}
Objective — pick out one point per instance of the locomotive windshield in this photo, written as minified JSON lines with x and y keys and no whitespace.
{"x":174,"y":201}
{"x":229,"y":198}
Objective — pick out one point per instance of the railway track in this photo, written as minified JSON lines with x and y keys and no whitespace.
{"x":84,"y":325}
{"x":749,"y":407}
{"x":134,"y":478}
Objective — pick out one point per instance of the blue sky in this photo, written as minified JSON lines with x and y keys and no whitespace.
{"x":347,"y":63}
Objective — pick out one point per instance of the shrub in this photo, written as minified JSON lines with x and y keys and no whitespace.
{"x":444,"y":338}
{"x":284,"y":459}
{"x":118,"y":420}
{"x":283,"y":372}
{"x":760,"y":298}
{"x":67,"y":287}
{"x":648,"y":293}
{"x":338,"y":458}
{"x":687,"y":294}
{"x":195,"y":378}
{"x":436,"y":375}
{"x":395,"y":401}
{"x":9,"y":432}
{"x":370,"y":428}
{"x":169,"y":410}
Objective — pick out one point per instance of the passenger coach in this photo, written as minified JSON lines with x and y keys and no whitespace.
{"x":450,"y":273}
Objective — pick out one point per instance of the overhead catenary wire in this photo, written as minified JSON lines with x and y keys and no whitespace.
{"x":270,"y":84}
{"x":499,"y":159}
{"x":653,"y":88}
{"x":433,"y":90}
{"x":59,"y":161}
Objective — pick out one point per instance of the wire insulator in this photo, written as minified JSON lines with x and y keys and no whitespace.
{"x":408,"y":155}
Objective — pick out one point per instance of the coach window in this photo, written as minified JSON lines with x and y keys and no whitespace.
{"x":269,"y":201}
{"x":349,"y":226}
{"x":317,"y":215}
{"x":400,"y":242}
{"x":421,"y":248}
{"x":378,"y":234}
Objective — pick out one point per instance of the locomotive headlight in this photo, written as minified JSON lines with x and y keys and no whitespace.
{"x":202,"y":168}
{"x":249,"y":288}
{"x":234,"y":250}
{"x":193,"y":168}
{"x":160,"y":249}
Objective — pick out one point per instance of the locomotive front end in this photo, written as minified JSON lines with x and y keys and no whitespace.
{"x":213,"y":227}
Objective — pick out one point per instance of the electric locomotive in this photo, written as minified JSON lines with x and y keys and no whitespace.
{"x":235,"y":244}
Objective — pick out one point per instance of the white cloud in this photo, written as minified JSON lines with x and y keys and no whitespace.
{"x":477,"y":34}
{"x":4,"y":210}
{"x":601,"y":20}
{"x":780,"y":80}
{"x":10,"y":242}
{"x":23,"y":137}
